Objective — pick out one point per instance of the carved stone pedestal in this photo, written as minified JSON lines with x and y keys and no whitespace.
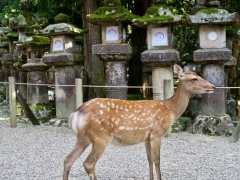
{"x":114,"y":57}
{"x":65,"y":73}
{"x":212,"y":61}
{"x":162,"y":75}
{"x":37,"y":75}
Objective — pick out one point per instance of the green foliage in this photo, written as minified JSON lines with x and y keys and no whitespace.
{"x":8,"y":9}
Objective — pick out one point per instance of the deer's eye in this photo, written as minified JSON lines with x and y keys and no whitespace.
{"x":195,"y":79}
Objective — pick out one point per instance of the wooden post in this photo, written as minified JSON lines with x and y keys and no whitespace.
{"x":79,"y":92}
{"x":27,"y":109}
{"x":167,"y":94}
{"x":12,"y":102}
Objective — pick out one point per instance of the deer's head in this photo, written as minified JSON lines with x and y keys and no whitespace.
{"x":193,"y":83}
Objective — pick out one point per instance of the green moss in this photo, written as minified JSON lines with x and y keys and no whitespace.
{"x":61,"y":18}
{"x":29,"y":30}
{"x":12,"y":35}
{"x":41,"y":107}
{"x":79,"y":38}
{"x":153,"y":16}
{"x":111,"y":14}
{"x":4,"y":44}
{"x":108,"y":3}
{"x":209,"y":11}
{"x":40,"y":40}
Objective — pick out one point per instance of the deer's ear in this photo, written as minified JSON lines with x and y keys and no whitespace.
{"x":178,"y":71}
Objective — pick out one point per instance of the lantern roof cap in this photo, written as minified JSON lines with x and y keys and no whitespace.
{"x":33,"y":40}
{"x":111,"y":12}
{"x":61,"y":28}
{"x":212,"y":16}
{"x":159,"y":14}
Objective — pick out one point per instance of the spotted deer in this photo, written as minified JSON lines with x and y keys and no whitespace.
{"x":102,"y":121}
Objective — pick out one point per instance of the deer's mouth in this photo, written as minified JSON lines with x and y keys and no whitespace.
{"x":210,"y":91}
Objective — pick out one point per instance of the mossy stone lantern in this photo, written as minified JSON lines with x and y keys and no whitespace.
{"x":113,"y":51}
{"x":3,"y":50}
{"x":36,"y":46}
{"x":213,"y":52}
{"x":160,"y":55}
{"x":67,"y":61}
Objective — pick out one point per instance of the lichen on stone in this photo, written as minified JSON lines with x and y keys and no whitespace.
{"x":61,"y":28}
{"x":212,"y":15}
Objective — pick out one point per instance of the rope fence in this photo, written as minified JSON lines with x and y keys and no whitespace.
{"x":101,"y":86}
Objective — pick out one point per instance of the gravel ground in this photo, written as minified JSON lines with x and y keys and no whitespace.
{"x":37,"y":153}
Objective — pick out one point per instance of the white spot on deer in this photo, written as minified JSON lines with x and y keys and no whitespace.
{"x":126,"y":110}
{"x":108,"y":103}
{"x":101,"y":105}
{"x":122,"y":128}
{"x":113,"y":105}
{"x":116,"y":111}
{"x":101,"y":112}
{"x":116,"y":122}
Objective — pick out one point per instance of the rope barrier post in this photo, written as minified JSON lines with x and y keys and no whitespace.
{"x":167,"y":94}
{"x":79,"y":92}
{"x":12,"y":102}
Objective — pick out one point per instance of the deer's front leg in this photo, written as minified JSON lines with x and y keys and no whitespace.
{"x":150,"y":160}
{"x":155,"y":148}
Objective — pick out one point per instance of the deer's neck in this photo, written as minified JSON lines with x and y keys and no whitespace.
{"x":179,"y":101}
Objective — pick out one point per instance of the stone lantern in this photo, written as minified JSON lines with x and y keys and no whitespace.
{"x":160,"y":55}
{"x":213,"y":54}
{"x":67,"y":61}
{"x":36,"y":46}
{"x":4,"y":50}
{"x":10,"y":57}
{"x":114,"y":51}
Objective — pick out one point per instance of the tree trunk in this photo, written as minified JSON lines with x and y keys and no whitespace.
{"x":233,"y":74}
{"x":93,"y":66}
{"x":139,"y":45}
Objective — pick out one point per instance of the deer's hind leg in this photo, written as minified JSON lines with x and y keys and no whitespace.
{"x":79,"y":148}
{"x":98,"y":147}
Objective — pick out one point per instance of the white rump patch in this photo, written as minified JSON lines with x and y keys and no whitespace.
{"x":77,"y":121}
